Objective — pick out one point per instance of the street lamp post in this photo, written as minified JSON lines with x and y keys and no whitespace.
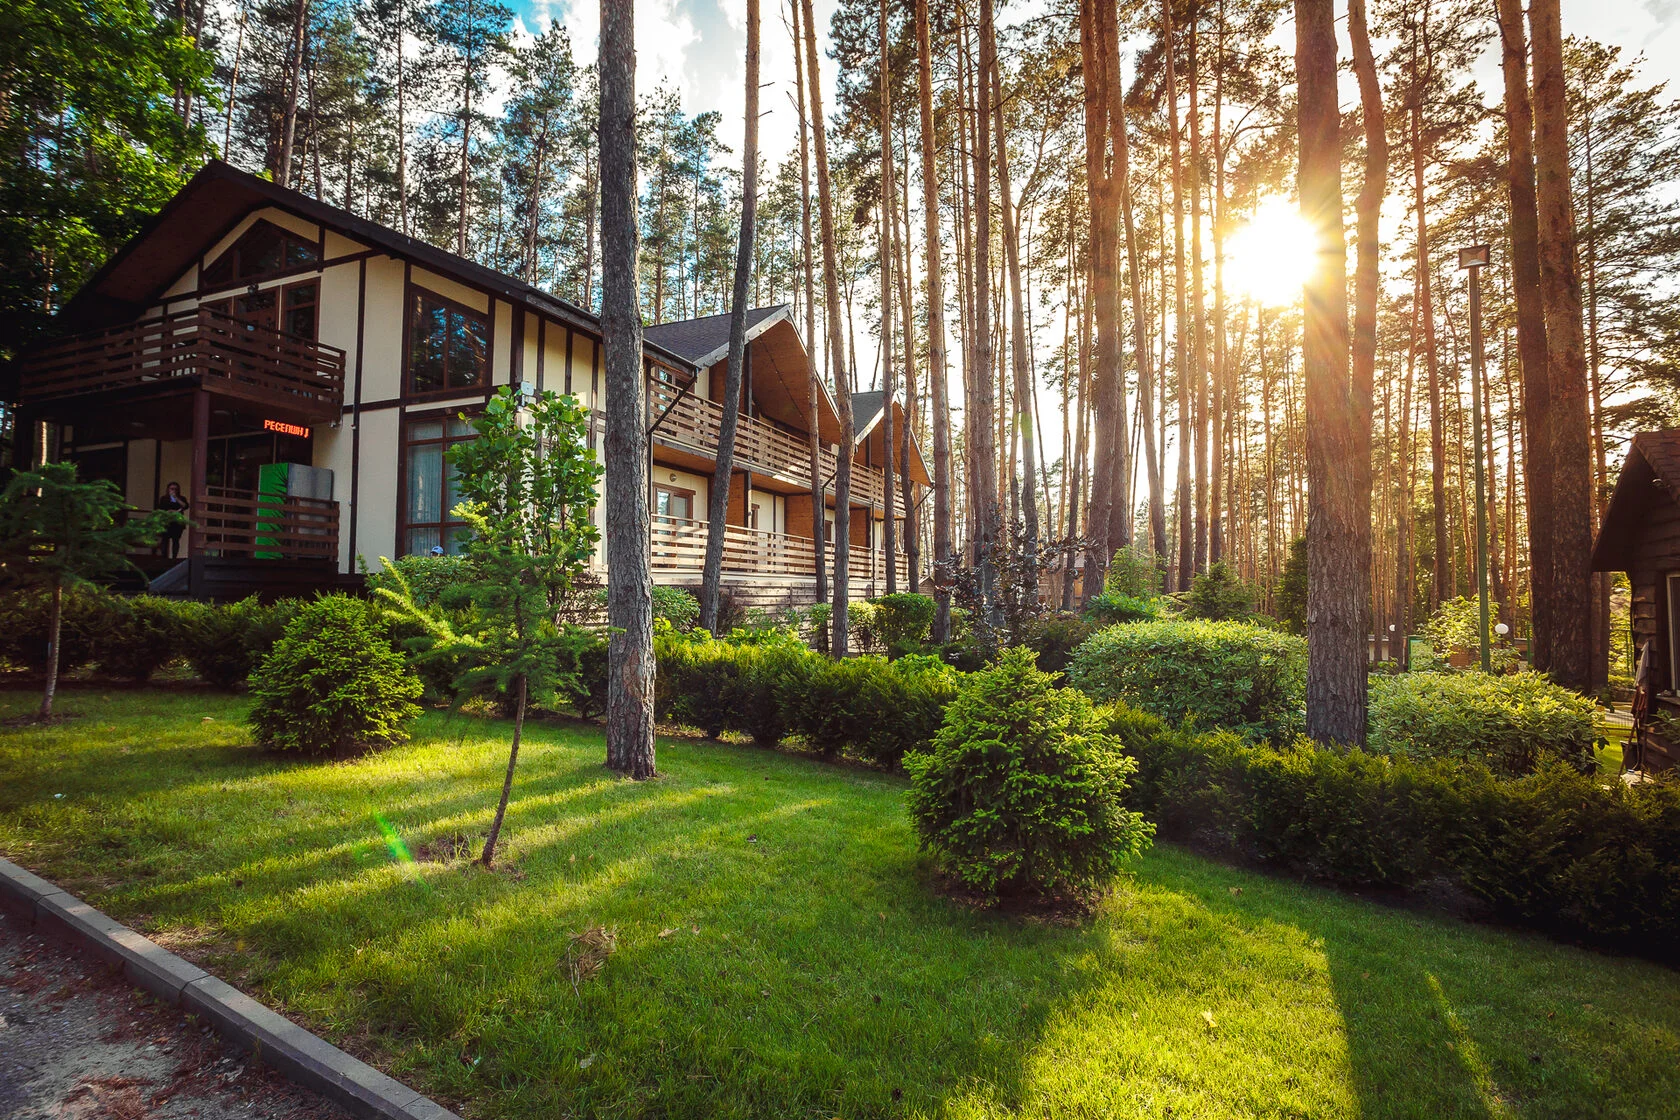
{"x":1472,"y":259}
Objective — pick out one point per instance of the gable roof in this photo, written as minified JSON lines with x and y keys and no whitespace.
{"x":867,"y":412}
{"x":219,"y":196}
{"x":705,"y":341}
{"x":1650,"y":474}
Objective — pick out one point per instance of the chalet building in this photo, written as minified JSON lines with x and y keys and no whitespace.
{"x":300,"y":372}
{"x":1640,"y":535}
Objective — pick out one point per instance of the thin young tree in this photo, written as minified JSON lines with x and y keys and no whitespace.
{"x":711,"y":577}
{"x":1338,"y":445}
{"x":937,"y":390}
{"x":629,"y":563}
{"x":836,"y":345}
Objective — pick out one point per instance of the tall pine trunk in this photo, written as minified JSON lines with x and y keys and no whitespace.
{"x":813,"y":402}
{"x":1560,"y":289}
{"x":983,"y":452}
{"x":836,"y":346}
{"x":1338,"y":442}
{"x":711,"y":577}
{"x":889,"y":386}
{"x":938,"y":395}
{"x":1181,"y":358}
{"x":1367,"y":272}
{"x":629,"y":565}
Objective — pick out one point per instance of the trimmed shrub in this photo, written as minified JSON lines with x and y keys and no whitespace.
{"x":587,"y":652}
{"x":333,"y":682}
{"x":1231,"y":675}
{"x":226,"y":641}
{"x":136,"y":636}
{"x":1511,"y":724}
{"x":867,"y":706}
{"x":1219,"y":594}
{"x":902,"y":621}
{"x":25,"y":617}
{"x":1054,"y":638}
{"x":1023,"y":790}
{"x":1114,"y":607}
{"x":676,"y":606}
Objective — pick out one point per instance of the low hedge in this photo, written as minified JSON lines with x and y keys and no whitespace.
{"x":1578,"y":855}
{"x":1223,"y":674}
{"x":867,"y":707}
{"x":1511,"y":724}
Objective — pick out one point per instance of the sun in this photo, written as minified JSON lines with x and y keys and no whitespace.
{"x":1271,"y":256}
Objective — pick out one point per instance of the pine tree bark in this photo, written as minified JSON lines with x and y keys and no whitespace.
{"x":983,"y":454}
{"x":813,"y":402}
{"x":1181,"y":358}
{"x":288,"y":124}
{"x":938,"y":392}
{"x":836,"y":347}
{"x":1571,"y":432}
{"x":1198,"y":297}
{"x":1338,"y":444}
{"x":711,"y":574}
{"x":1531,"y":325}
{"x":889,"y":380}
{"x":1367,"y":268}
{"x":630,"y":667}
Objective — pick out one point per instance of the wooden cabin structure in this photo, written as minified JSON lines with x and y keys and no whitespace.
{"x":301,"y":371}
{"x":1640,"y":535}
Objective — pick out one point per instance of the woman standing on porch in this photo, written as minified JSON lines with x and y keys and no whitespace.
{"x":172,"y":501}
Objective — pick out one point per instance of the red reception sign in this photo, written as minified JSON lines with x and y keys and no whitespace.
{"x":286,"y":429}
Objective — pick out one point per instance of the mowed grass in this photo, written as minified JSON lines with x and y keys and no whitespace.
{"x":782,"y":950}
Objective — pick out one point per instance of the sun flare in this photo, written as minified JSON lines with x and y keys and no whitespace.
{"x":1270,"y":257}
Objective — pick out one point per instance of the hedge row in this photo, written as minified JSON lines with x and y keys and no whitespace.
{"x":132,"y":637}
{"x":867,"y":706}
{"x":1577,"y":855}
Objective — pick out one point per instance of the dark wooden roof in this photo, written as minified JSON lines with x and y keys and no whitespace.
{"x":705,"y":340}
{"x":219,"y":196}
{"x":1651,"y":474}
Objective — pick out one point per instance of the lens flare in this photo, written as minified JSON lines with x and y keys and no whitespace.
{"x":1272,"y":255}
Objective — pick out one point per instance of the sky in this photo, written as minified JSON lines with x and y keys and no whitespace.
{"x":699,"y":47}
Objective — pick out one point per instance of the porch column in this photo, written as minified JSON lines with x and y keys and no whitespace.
{"x":200,"y":470}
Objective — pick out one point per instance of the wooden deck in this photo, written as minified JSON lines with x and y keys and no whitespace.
{"x":243,"y":523}
{"x":278,"y":372}
{"x":680,"y":545}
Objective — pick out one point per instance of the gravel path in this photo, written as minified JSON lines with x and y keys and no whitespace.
{"x":77,"y":1042}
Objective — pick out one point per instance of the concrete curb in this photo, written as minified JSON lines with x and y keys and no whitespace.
{"x":247,"y":1024}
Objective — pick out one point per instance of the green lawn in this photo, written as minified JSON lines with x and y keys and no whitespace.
{"x":781,"y":951}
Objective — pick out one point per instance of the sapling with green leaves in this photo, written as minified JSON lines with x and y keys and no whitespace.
{"x":527,"y":483}
{"x":59,"y":531}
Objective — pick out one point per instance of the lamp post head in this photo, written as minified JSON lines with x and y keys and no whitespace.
{"x":1501,"y":629}
{"x":1475,"y":256}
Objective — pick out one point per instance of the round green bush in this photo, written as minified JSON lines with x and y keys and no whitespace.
{"x":333,"y":682}
{"x":1510,"y":723}
{"x":1232,"y":675}
{"x":1024,"y":790}
{"x":902,"y":621}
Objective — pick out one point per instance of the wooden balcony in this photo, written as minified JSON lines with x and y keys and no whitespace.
{"x":695,"y":424}
{"x":276,"y":372}
{"x":248,"y":525}
{"x":679,"y":545}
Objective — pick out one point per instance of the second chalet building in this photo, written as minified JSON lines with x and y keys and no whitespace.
{"x":300,"y":372}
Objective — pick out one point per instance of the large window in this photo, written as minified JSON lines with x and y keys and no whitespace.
{"x":263,"y":250}
{"x":448,"y":345}
{"x":429,"y":489}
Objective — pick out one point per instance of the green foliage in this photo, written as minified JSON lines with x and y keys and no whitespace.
{"x":333,"y":682}
{"x":676,"y":606}
{"x":584,"y":653}
{"x":1023,"y":790}
{"x":432,"y":580}
{"x":1456,"y":626}
{"x":1511,"y":724}
{"x":1231,"y":675}
{"x":1219,"y":594}
{"x":226,"y":641}
{"x":135,"y":636}
{"x":1054,"y":638}
{"x":721,"y":685}
{"x":1135,"y":573}
{"x":25,"y":617}
{"x":1575,"y":854}
{"x":1290,"y":599}
{"x":901,"y":622}
{"x":1114,"y":607}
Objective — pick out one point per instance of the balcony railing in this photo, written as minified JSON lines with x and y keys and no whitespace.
{"x":267,"y":367}
{"x":679,"y":544}
{"x":243,"y":523}
{"x":695,"y":424}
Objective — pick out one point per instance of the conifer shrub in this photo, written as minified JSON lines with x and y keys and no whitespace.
{"x":1024,"y":790}
{"x":869,"y":707}
{"x":25,"y":618}
{"x":902,"y":621}
{"x":1221,"y":674}
{"x":333,"y":682}
{"x":226,"y":641}
{"x":1511,"y":724}
{"x":135,"y":636}
{"x":1054,"y":637}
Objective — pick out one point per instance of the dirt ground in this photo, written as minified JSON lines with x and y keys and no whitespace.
{"x":77,"y":1042}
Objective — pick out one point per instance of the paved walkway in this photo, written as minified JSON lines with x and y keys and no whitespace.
{"x":77,"y":1043}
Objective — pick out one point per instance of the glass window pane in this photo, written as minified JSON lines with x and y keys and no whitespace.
{"x":454,"y":540}
{"x":425,"y":429}
{"x":420,"y":541}
{"x":460,"y":427}
{"x":261,"y":250}
{"x":425,"y":483}
{"x":299,"y":252}
{"x":469,"y":346}
{"x":426,"y":346}
{"x":451,"y":489}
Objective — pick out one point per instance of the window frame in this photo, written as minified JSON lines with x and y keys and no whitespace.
{"x":404,"y":444}
{"x":412,"y":294}
{"x":674,"y":490}
{"x":318,"y":245}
